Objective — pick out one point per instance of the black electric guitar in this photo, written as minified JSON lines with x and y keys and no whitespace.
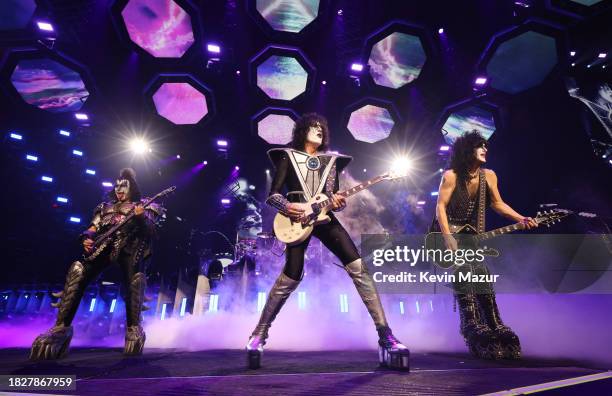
{"x":468,"y":238}
{"x":102,"y":241}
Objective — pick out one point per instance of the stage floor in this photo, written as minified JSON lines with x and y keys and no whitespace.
{"x":104,"y":371}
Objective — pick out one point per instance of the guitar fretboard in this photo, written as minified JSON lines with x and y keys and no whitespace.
{"x":500,"y":231}
{"x":349,"y":192}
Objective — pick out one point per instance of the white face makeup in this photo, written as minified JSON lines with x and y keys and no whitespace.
{"x":481,"y":153}
{"x":315,"y":135}
{"x":122,"y":187}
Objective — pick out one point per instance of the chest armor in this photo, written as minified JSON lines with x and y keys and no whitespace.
{"x":113,"y":214}
{"x":316,"y":173}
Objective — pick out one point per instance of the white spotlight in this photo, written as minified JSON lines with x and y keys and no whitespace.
{"x":139,"y":146}
{"x":401,"y":166}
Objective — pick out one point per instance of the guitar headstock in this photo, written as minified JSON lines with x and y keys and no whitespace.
{"x":394,"y":175}
{"x":549,"y":217}
{"x":165,"y":192}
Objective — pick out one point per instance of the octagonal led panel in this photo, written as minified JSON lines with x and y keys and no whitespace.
{"x":282,"y":77}
{"x":522,"y":62}
{"x":396,"y":60}
{"x":276,"y":128}
{"x":15,"y":14}
{"x":370,"y":123}
{"x":160,"y":27}
{"x":180,"y":103}
{"x":587,"y":3}
{"x":49,"y":85}
{"x":288,"y":15}
{"x":466,"y":120}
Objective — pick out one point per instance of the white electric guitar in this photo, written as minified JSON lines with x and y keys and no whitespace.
{"x":294,"y":232}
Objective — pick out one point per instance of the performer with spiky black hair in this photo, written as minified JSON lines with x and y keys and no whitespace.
{"x":129,"y":247}
{"x":305,"y":170}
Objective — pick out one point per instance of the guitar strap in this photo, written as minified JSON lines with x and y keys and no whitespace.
{"x":482,"y":191}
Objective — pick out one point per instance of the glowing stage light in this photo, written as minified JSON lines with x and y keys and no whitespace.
{"x":344,"y":303}
{"x":213,"y":303}
{"x":45,"y":26}
{"x":183,"y":306}
{"x":440,"y":31}
{"x":433,"y":193}
{"x":139,"y":146}
{"x":225,"y":201}
{"x":444,"y":148}
{"x":178,"y":156}
{"x":163,"y":312}
{"x":357,"y":67}
{"x":324,"y":82}
{"x":81,"y":116}
{"x":62,"y":199}
{"x":572,"y":53}
{"x":401,"y":166}
{"x":302,"y":300}
{"x":204,"y":162}
{"x":267,"y":171}
{"x":401,"y":306}
{"x":602,"y":55}
{"x":64,"y":133}
{"x":90,"y":171}
{"x":92,"y":305}
{"x":75,"y":219}
{"x":420,"y":203}
{"x":213,"y":48}
{"x":16,"y":136}
{"x":112,"y":307}
{"x":236,"y":167}
{"x":261,"y":301}
{"x":251,"y":187}
{"x":78,"y":153}
{"x":573,"y":64}
{"x":31,"y":157}
{"x":47,"y":179}
{"x":222,"y":143}
{"x":107,"y":184}
{"x":480,"y":81}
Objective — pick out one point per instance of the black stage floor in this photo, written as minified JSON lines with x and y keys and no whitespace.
{"x":104,"y":371}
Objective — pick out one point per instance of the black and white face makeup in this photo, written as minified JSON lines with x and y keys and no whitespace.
{"x":480,"y":152}
{"x":315,"y":134}
{"x":122,"y":189}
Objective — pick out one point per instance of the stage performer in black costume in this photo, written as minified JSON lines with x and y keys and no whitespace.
{"x":465,"y":191}
{"x":305,"y":170}
{"x":129,"y":248}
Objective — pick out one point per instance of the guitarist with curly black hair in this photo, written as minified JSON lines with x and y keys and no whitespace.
{"x":465,"y":191}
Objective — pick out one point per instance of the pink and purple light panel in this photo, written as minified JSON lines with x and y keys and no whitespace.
{"x":396,"y":60}
{"x":160,"y":27}
{"x":288,"y":15}
{"x":49,"y":85}
{"x":276,"y":128}
{"x":180,"y":103}
{"x":282,"y":77}
{"x":370,"y":123}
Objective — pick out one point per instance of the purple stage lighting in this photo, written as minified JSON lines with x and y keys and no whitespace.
{"x":357,"y":67}
{"x":324,"y":82}
{"x":180,"y":103}
{"x":433,"y":193}
{"x":62,"y":199}
{"x":602,"y":55}
{"x":31,"y":157}
{"x":420,"y":202}
{"x":64,"y":133}
{"x":340,"y":12}
{"x":44,"y":26}
{"x":225,"y":201}
{"x":370,"y":123}
{"x":276,"y":128}
{"x":78,"y":153}
{"x":178,"y":156}
{"x":16,"y":136}
{"x":204,"y":162}
{"x":47,"y":179}
{"x":107,"y":184}
{"x":75,"y":219}
{"x":222,"y":143}
{"x":480,"y":81}
{"x":237,"y":72}
{"x":440,"y":31}
{"x":444,"y":148}
{"x":213,"y":48}
{"x":81,"y":116}
{"x":90,"y":171}
{"x":236,"y":167}
{"x":572,"y":53}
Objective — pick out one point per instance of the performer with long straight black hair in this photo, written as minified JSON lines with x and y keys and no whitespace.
{"x":130,"y":247}
{"x":305,"y":170}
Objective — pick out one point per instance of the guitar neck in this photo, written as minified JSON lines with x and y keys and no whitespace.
{"x":127,"y":218}
{"x":351,"y":191}
{"x":500,"y":231}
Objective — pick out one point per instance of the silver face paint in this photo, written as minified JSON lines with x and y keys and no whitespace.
{"x":315,"y":134}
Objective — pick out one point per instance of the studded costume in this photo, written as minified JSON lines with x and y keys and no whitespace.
{"x":305,"y":176}
{"x":481,"y":325}
{"x":129,"y":248}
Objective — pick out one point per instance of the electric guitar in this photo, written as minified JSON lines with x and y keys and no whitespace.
{"x":102,"y":241}
{"x":468,"y":238}
{"x":293,"y":232}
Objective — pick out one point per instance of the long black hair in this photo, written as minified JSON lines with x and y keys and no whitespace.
{"x":134,"y":193}
{"x":300,"y":131}
{"x":462,"y":156}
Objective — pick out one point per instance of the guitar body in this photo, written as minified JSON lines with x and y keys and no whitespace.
{"x":464,"y":236}
{"x":295,"y":232}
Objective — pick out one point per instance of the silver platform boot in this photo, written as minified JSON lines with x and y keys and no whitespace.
{"x":279,"y":293}
{"x":391,"y":352}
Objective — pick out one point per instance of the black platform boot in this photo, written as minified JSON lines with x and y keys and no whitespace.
{"x":509,"y":341}
{"x":55,"y":342}
{"x":135,"y":336}
{"x":480,"y":339}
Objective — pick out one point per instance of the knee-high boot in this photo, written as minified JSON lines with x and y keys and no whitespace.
{"x":135,"y":336}
{"x":279,"y":293}
{"x":509,"y":341}
{"x":391,"y":352}
{"x":480,"y":339}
